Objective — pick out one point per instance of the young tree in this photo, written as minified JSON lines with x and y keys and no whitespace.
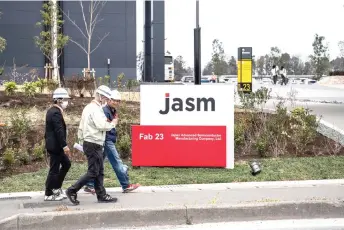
{"x":320,"y":58}
{"x":52,"y":41}
{"x":219,"y":59}
{"x":208,"y":69}
{"x":296,"y":66}
{"x":180,"y":68}
{"x":233,"y":70}
{"x":140,"y":63}
{"x":90,"y":22}
{"x":307,"y":70}
{"x":2,"y":41}
{"x":261,"y":66}
{"x":275,"y":56}
{"x":341,"y":48}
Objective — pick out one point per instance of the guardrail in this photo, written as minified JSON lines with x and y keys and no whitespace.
{"x":259,"y":76}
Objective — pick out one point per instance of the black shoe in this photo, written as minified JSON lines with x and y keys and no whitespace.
{"x":107,"y":199}
{"x":72,"y":196}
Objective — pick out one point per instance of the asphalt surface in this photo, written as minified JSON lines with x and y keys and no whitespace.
{"x":323,"y":101}
{"x":166,"y":205}
{"x":313,"y":92}
{"x":331,"y":113}
{"x":307,"y":224}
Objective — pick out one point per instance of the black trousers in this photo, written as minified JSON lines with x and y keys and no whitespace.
{"x":95,"y":172}
{"x":59,"y":167}
{"x":274,"y":78}
{"x":284,"y":80}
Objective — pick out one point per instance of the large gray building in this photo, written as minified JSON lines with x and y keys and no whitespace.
{"x":17,"y":26}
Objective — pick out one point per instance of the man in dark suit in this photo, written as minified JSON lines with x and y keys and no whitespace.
{"x":56,"y":145}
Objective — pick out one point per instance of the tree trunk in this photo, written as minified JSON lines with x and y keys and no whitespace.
{"x":55,"y":75}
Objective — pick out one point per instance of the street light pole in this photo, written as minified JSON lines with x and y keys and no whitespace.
{"x":197,"y":48}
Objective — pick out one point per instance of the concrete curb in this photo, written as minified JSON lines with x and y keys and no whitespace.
{"x":329,"y":130}
{"x":171,"y":216}
{"x":197,"y":187}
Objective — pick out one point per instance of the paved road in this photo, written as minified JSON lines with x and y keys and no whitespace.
{"x":313,"y":92}
{"x":331,"y":113}
{"x":307,"y":224}
{"x":310,"y":224}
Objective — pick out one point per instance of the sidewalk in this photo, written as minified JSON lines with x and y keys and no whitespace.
{"x":178,"y":204}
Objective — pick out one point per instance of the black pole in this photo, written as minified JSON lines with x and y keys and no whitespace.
{"x":147,"y":42}
{"x":197,"y":48}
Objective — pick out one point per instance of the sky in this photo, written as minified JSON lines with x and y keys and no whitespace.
{"x":260,"y":24}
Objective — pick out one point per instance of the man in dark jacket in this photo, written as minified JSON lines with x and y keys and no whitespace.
{"x":56,"y":145}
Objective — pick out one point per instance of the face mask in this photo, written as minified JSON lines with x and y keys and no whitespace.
{"x":104,"y":101}
{"x":64,"y":104}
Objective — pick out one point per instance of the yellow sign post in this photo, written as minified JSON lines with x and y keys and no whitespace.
{"x":245,"y":69}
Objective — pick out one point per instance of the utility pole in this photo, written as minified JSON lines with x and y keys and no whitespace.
{"x":197,"y":48}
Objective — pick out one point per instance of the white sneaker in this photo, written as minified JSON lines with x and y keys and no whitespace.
{"x":59,"y":192}
{"x":53,"y":197}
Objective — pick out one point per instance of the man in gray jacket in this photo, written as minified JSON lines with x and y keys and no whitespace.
{"x":91,"y":134}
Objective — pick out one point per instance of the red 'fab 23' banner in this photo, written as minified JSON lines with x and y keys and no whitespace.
{"x":195,"y":146}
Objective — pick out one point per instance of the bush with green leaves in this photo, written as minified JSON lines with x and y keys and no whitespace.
{"x":273,"y":135}
{"x":8,"y":158}
{"x":256,"y":99}
{"x":303,"y":127}
{"x":10,"y":88}
{"x":30,"y":89}
{"x":120,"y":79}
{"x":107,"y":79}
{"x":38,"y":151}
{"x":20,"y":123}
{"x":41,"y":84}
{"x":100,"y":81}
{"x":123,"y":146}
{"x":51,"y":85}
{"x":23,"y":157}
{"x":239,"y":135}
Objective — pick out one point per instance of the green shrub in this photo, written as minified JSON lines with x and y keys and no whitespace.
{"x":20,"y":123}
{"x":29,"y":89}
{"x":120,"y":78}
{"x":100,"y":81}
{"x":107,"y":80}
{"x":51,"y":85}
{"x":10,"y":88}
{"x":8,"y":158}
{"x":41,"y":84}
{"x":239,"y":135}
{"x":23,"y":157}
{"x":304,"y":127}
{"x":262,"y":145}
{"x":1,"y":70}
{"x":123,"y":146}
{"x":254,"y":99}
{"x":38,"y":151}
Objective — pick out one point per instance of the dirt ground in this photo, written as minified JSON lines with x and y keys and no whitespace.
{"x":36,"y":109}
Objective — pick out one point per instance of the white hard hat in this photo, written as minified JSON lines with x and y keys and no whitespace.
{"x":104,"y":90}
{"x":115,"y":95}
{"x":60,"y":93}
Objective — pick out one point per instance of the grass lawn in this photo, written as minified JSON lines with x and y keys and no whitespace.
{"x":273,"y":170}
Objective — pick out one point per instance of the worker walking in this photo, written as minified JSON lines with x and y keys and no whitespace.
{"x":91,"y":134}
{"x":110,"y":150}
{"x":283,"y":73}
{"x":56,"y":145}
{"x":274,"y":72}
